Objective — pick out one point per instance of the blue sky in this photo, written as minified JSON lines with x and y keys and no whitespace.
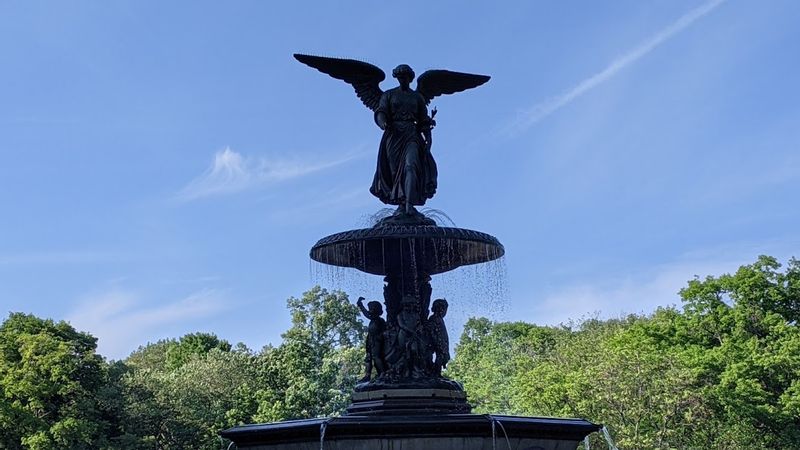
{"x":166,"y":166}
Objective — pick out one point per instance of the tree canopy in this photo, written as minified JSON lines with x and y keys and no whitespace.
{"x":723,"y":372}
{"x":51,"y":386}
{"x":720,"y":372}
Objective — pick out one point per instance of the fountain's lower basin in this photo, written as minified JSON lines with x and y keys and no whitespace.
{"x":391,"y":249}
{"x":418,"y":432}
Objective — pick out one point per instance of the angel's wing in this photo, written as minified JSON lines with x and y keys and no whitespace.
{"x":433,"y":83}
{"x":364,"y":77}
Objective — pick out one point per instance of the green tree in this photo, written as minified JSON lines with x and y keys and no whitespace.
{"x":50,"y":381}
{"x":192,"y":345}
{"x":722,"y":373}
{"x":188,"y":406}
{"x":743,"y":330}
{"x":618,"y":373}
{"x":179,"y":394}
{"x":313,"y":371}
{"x":490,"y":354}
{"x":151,"y":356}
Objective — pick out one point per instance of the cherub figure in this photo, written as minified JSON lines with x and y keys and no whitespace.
{"x":377,"y":325}
{"x":437,"y":336}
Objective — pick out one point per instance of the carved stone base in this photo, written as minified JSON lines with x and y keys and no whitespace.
{"x":435,"y":383}
{"x":415,"y":218}
{"x":408,"y":402}
{"x":409,"y":397}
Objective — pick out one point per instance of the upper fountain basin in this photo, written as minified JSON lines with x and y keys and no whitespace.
{"x":393,"y":249}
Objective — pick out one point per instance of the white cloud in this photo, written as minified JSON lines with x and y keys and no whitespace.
{"x":119,"y":322}
{"x":543,"y":109}
{"x":231,"y":172}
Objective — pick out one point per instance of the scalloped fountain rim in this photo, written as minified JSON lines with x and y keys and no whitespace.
{"x":439,"y":249}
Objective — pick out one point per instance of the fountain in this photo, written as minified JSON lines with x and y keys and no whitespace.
{"x":404,"y":401}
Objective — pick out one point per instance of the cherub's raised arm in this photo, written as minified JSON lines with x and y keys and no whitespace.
{"x":364,"y":311}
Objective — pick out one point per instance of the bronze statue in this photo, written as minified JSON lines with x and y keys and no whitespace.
{"x":410,"y":339}
{"x":374,"y":344}
{"x":406,"y":172}
{"x":437,"y":336}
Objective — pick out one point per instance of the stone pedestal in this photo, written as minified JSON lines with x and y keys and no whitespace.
{"x":408,"y":402}
{"x":417,"y":432}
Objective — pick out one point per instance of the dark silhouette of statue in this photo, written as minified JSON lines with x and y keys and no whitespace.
{"x":437,"y":336}
{"x":406,"y":171}
{"x":374,"y":344}
{"x":410,"y":339}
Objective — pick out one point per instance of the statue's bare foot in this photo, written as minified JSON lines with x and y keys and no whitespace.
{"x":405,"y":216}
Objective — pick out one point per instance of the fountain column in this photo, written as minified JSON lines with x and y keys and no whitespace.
{"x":409,"y":405}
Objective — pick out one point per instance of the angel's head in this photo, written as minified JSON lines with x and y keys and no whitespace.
{"x":403,"y":73}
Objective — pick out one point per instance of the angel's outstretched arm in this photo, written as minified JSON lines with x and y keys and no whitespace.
{"x":382,"y":113}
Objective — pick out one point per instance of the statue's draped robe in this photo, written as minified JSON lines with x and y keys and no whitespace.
{"x":403,"y":153}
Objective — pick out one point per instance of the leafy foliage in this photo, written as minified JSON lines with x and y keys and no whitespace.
{"x":180,"y":394}
{"x":312,"y":373}
{"x":723,"y":372}
{"x":51,"y":381}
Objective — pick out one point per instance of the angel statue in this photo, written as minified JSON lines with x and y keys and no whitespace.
{"x":406,"y":172}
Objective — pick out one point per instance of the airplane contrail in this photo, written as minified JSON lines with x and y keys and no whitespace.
{"x":547,"y":107}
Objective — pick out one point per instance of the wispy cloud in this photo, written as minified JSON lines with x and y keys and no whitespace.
{"x":116,"y":318}
{"x":541,"y":110}
{"x":192,"y":280}
{"x":647,"y":289}
{"x":231,"y":172}
{"x":749,"y":179}
{"x":332,"y":200}
{"x":635,"y":293}
{"x":641,"y":293}
{"x":56,"y":258}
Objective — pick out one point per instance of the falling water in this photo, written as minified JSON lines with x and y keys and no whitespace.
{"x":472,"y":290}
{"x":438,"y":216}
{"x":494,"y":433}
{"x":479,"y":290}
{"x":354,"y":282}
{"x":322,"y":427}
{"x":495,"y":422}
{"x":412,"y":244}
{"x":369,"y":220}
